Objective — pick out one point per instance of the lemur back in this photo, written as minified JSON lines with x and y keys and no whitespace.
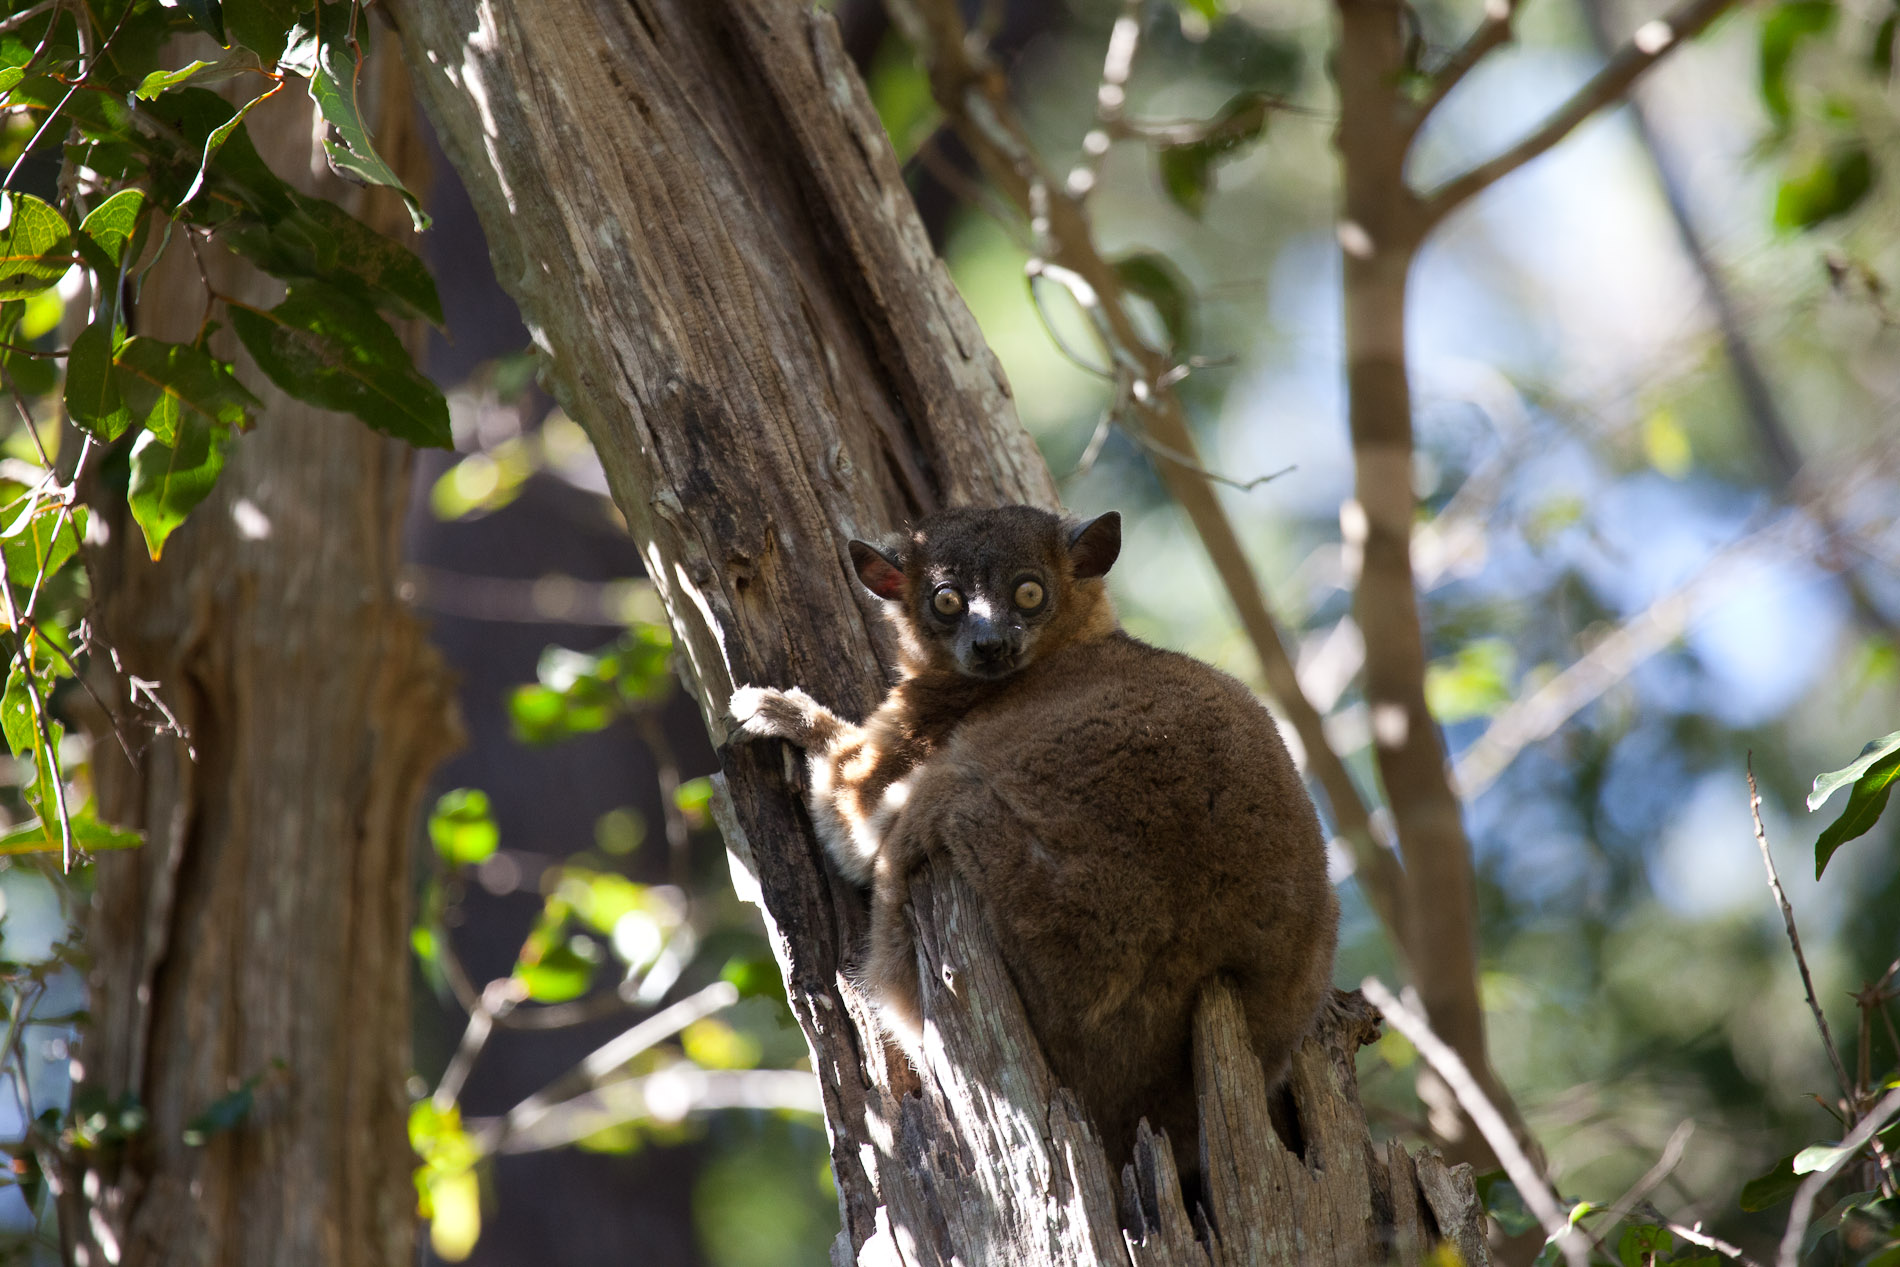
{"x":1129,"y":817}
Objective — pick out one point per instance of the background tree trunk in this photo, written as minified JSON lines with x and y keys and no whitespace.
{"x":262,"y":932}
{"x":702,"y":221}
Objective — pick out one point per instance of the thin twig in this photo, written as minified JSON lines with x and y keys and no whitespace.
{"x":1794,"y":940}
{"x":1653,"y":41}
{"x":606,"y":1058}
{"x":1696,"y":1236}
{"x":1493,"y":31}
{"x":1484,"y":1115}
{"x":1810,"y":1188}
{"x":1653,"y":1177}
{"x":26,"y":15}
{"x":498,"y":999}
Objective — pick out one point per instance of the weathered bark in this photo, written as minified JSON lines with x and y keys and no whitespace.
{"x":699,"y":215}
{"x":263,"y":928}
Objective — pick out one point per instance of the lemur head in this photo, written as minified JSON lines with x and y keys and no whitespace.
{"x":984,"y":593}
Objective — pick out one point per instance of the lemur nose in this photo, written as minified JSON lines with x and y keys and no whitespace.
{"x":990,"y":648}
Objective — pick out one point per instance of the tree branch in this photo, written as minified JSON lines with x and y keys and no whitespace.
{"x":1493,"y":32}
{"x":1652,"y":41}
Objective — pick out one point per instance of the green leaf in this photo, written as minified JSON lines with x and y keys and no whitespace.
{"x":322,"y":346}
{"x":225,"y":1113}
{"x":112,"y":223}
{"x":1782,"y":32}
{"x":27,"y":739}
{"x":1640,"y":1244}
{"x":1187,"y":164}
{"x":93,"y":398}
{"x":1209,"y":9}
{"x":1864,"y":805}
{"x":1503,"y":1202}
{"x":1823,"y":187}
{"x":89,"y":834}
{"x":208,"y":14}
{"x":1154,"y":277}
{"x":159,"y":80}
{"x":334,"y":88}
{"x":213,"y":143}
{"x":462,"y":828}
{"x":166,"y":384}
{"x":1772,"y":1187}
{"x":560,"y":974}
{"x":1819,"y":1157}
{"x":319,"y":240}
{"x":1826,"y":785}
{"x":17,"y":718}
{"x":41,"y":541}
{"x":169,"y":480}
{"x":35,"y":246}
{"x":262,"y":25}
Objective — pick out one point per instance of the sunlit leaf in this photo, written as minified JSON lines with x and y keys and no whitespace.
{"x":559,"y":974}
{"x":169,"y":480}
{"x":93,"y":398}
{"x":1826,"y":785}
{"x":694,"y":799}
{"x":1475,"y":682}
{"x":111,"y":224}
{"x":462,"y":827}
{"x":1864,"y":806}
{"x":712,"y":1043}
{"x":319,"y":240}
{"x":35,"y":245}
{"x":1666,"y":444}
{"x":325,"y":347}
{"x":166,"y":385}
{"x":41,"y":540}
{"x":900,"y":93}
{"x":159,"y":80}
{"x":334,"y":86}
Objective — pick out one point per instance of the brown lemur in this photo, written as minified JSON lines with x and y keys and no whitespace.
{"x":1129,"y":816}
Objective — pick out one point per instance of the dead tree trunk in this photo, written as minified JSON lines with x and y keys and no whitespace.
{"x":262,"y":931}
{"x":696,"y":209}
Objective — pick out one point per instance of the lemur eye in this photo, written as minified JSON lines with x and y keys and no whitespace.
{"x":948,"y":602}
{"x":1029,"y":595}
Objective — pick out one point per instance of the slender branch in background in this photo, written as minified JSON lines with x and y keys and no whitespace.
{"x":973,"y":95}
{"x":1653,"y":1177}
{"x":1790,"y":1253}
{"x":667,"y":771}
{"x":1110,"y":98}
{"x":605,"y":1059}
{"x":1780,"y":453}
{"x":1530,"y":1184}
{"x":667,"y":1096}
{"x":1794,"y":940}
{"x":1652,"y":41}
{"x":1696,"y":1236}
{"x":497,"y":1000}
{"x":1493,"y":32}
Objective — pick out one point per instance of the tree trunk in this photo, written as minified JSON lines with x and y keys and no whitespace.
{"x":702,"y":221}
{"x":262,"y":931}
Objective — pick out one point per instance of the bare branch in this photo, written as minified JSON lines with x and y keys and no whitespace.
{"x":1794,"y":940}
{"x":1652,"y":41}
{"x":1493,"y":32}
{"x":668,"y":1096}
{"x":1696,"y":1236}
{"x":1671,"y":1156}
{"x":1790,"y":1253}
{"x":1484,"y":1115}
{"x":605,"y":1059}
{"x":1110,"y":98}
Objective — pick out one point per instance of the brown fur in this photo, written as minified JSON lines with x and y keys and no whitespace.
{"x":1129,"y":816}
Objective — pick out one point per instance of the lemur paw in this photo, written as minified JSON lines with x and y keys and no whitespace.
{"x":765,"y":712}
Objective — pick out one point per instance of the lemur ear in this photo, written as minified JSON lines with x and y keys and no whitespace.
{"x":878,"y":570}
{"x":1094,"y":546}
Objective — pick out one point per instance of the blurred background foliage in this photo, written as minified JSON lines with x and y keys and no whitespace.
{"x":1656,"y":376}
